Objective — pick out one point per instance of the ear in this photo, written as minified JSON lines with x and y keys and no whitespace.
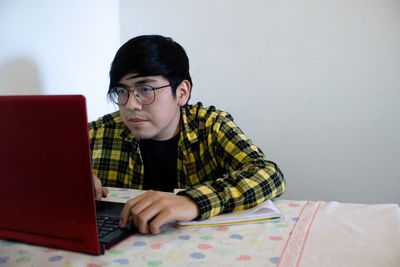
{"x":183,"y":92}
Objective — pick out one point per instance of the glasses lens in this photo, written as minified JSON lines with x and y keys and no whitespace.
{"x":120,"y":96}
{"x":145,"y":94}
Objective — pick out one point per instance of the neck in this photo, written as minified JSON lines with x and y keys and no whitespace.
{"x":173,"y":127}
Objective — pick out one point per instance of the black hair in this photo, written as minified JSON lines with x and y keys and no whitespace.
{"x":151,"y":55}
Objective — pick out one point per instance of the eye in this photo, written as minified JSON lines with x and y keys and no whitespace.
{"x":121,"y":91}
{"x":144,"y":90}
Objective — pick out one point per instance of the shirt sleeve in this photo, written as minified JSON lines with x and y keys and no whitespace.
{"x":251,"y":178}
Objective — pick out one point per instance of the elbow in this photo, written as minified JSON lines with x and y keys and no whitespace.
{"x":275,"y":181}
{"x":279,"y":182}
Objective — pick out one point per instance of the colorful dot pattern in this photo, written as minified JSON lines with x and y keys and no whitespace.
{"x":257,"y":244}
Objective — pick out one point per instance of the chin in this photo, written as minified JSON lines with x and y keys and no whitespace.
{"x":141,"y":135}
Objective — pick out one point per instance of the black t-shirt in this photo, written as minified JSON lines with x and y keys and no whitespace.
{"x":159,"y":159}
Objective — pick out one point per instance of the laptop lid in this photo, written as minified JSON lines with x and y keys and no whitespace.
{"x":46,"y":186}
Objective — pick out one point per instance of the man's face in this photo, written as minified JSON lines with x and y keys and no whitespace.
{"x":159,"y":120}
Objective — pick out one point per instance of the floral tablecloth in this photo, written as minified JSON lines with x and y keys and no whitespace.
{"x":281,"y":243}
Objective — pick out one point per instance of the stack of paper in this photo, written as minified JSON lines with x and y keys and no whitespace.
{"x":266,"y":211}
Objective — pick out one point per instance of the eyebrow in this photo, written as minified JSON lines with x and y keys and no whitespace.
{"x":143,"y":80}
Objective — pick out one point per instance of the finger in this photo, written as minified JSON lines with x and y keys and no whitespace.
{"x":159,"y":203}
{"x":175,"y":208}
{"x":104,"y":191}
{"x":97,"y":187}
{"x":126,"y":211}
{"x":123,"y":217}
{"x":141,"y":213}
{"x":145,"y":218}
{"x":161,"y":219}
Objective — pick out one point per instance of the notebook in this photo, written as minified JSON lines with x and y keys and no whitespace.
{"x":265,"y":212}
{"x":46,"y":185}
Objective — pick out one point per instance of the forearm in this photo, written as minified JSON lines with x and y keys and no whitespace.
{"x":242,"y":189}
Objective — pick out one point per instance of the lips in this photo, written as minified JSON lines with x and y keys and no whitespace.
{"x":136,"y":121}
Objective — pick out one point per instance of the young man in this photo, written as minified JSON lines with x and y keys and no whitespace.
{"x":157,"y":142}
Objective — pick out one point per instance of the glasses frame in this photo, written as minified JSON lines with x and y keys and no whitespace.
{"x":133,"y":91}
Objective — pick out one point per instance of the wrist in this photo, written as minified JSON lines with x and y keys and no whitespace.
{"x":195,"y":214}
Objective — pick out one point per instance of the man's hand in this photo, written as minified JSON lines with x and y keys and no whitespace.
{"x":152,"y":209}
{"x":99,"y":190}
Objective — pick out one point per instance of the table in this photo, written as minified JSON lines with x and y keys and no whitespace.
{"x":313,"y":233}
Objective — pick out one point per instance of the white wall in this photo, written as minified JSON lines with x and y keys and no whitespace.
{"x":315,"y":84}
{"x":59,"y":47}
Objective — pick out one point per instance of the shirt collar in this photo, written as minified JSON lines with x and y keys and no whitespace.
{"x":126,"y":134}
{"x":189,"y":125}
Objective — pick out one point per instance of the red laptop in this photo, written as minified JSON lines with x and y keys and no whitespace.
{"x":46,"y":186}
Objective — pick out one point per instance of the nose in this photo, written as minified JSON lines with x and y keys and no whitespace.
{"x":133,"y":103}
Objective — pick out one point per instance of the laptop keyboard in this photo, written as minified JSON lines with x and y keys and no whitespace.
{"x":106,"y":225}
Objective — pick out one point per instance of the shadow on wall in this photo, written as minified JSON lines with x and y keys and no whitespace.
{"x":20,"y":76}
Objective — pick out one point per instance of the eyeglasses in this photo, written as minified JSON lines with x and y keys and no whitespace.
{"x":145,"y":94}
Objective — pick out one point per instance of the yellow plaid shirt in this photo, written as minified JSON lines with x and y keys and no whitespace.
{"x":220,"y":168}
